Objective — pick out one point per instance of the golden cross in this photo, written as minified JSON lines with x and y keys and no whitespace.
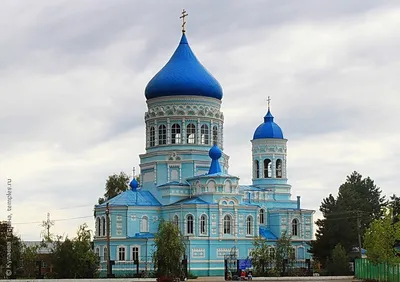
{"x":269,"y":102}
{"x":184,"y":15}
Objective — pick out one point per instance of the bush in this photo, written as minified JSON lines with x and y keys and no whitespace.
{"x":339,"y":263}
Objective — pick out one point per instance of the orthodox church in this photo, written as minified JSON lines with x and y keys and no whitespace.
{"x":184,"y":178}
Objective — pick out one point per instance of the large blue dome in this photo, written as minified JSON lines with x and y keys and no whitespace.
{"x":268,"y":129}
{"x":183,"y":75}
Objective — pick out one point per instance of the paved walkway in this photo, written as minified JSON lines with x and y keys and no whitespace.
{"x":283,"y":279}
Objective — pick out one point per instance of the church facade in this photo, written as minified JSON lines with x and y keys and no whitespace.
{"x":184,"y":178}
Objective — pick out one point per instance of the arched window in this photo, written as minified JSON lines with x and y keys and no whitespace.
{"x":152,"y":136}
{"x":162,"y":135}
{"x":249,"y":225}
{"x":204,"y":134}
{"x":262,"y":216}
{"x":121,"y":253}
{"x":279,"y":168}
{"x":191,"y":133}
{"x":105,"y":253}
{"x":203,"y":224}
{"x":267,"y":168}
{"x":103,"y":226}
{"x":98,"y":227}
{"x":228,"y":187}
{"x":135,"y":253}
{"x":98,"y":251}
{"x":227,"y":224}
{"x":257,"y":168}
{"x":176,"y":220}
{"x":189,"y":224}
{"x":215,"y":134}
{"x":295,"y":227}
{"x":292,"y":253}
{"x":176,"y":134}
{"x":144,"y":224}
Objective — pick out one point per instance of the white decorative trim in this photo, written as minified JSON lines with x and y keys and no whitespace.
{"x":198,"y":253}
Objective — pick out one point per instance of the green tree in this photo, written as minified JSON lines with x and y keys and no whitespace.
{"x":16,"y":249}
{"x":380,"y":239}
{"x":283,"y":250}
{"x":75,"y":258}
{"x":358,"y":199}
{"x":339,"y":262}
{"x":260,"y":255}
{"x":29,"y":257}
{"x":170,"y":250}
{"x":115,"y":184}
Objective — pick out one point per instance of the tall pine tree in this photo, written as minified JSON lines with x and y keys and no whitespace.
{"x":357,"y":204}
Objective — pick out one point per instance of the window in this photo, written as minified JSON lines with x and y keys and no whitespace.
{"x":295,"y":227}
{"x":121,"y":253}
{"x":135,"y":253}
{"x":272,"y":252}
{"x":176,"y":220}
{"x":203,"y":224}
{"x":227,"y":225}
{"x":249,"y":225}
{"x":98,"y":227}
{"x":257,"y":169}
{"x":267,"y":168}
{"x":144,"y":227}
{"x":189,"y":224}
{"x":103,"y":226}
{"x":98,"y":251}
{"x":191,"y":133}
{"x":204,"y":134}
{"x":152,"y":136}
{"x":279,"y":168}
{"x":215,"y":134}
{"x":292,"y":253}
{"x":105,"y":253}
{"x":176,"y":134}
{"x":262,"y":216}
{"x":162,"y":135}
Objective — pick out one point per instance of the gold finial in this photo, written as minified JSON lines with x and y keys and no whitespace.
{"x":184,"y":15}
{"x":269,"y":102}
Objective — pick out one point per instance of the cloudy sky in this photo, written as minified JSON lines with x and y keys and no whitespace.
{"x":73,"y":73}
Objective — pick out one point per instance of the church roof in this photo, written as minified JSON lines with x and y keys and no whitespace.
{"x":267,"y":234}
{"x":183,"y":75}
{"x":133,"y":198}
{"x":191,"y":201}
{"x":268,"y":129}
{"x":142,"y":235}
{"x":173,"y":183}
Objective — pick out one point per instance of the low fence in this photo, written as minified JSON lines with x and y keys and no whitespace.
{"x":364,"y":269}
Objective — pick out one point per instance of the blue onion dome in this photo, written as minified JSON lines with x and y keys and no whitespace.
{"x":134,"y":184}
{"x":268,"y":129}
{"x":183,"y":75}
{"x":215,"y":154}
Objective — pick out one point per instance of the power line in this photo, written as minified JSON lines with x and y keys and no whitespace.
{"x":61,"y":219}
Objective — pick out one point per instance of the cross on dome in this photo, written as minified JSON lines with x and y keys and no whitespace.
{"x":184,"y":15}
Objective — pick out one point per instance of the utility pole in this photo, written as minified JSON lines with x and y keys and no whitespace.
{"x":108,"y":240}
{"x":359,"y":234}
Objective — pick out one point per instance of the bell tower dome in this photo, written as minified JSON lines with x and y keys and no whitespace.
{"x":269,"y":153}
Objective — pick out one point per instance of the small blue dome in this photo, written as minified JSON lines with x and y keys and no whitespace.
{"x":268,"y":129}
{"x":215,"y":153}
{"x":134,"y":184}
{"x":183,"y":75}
